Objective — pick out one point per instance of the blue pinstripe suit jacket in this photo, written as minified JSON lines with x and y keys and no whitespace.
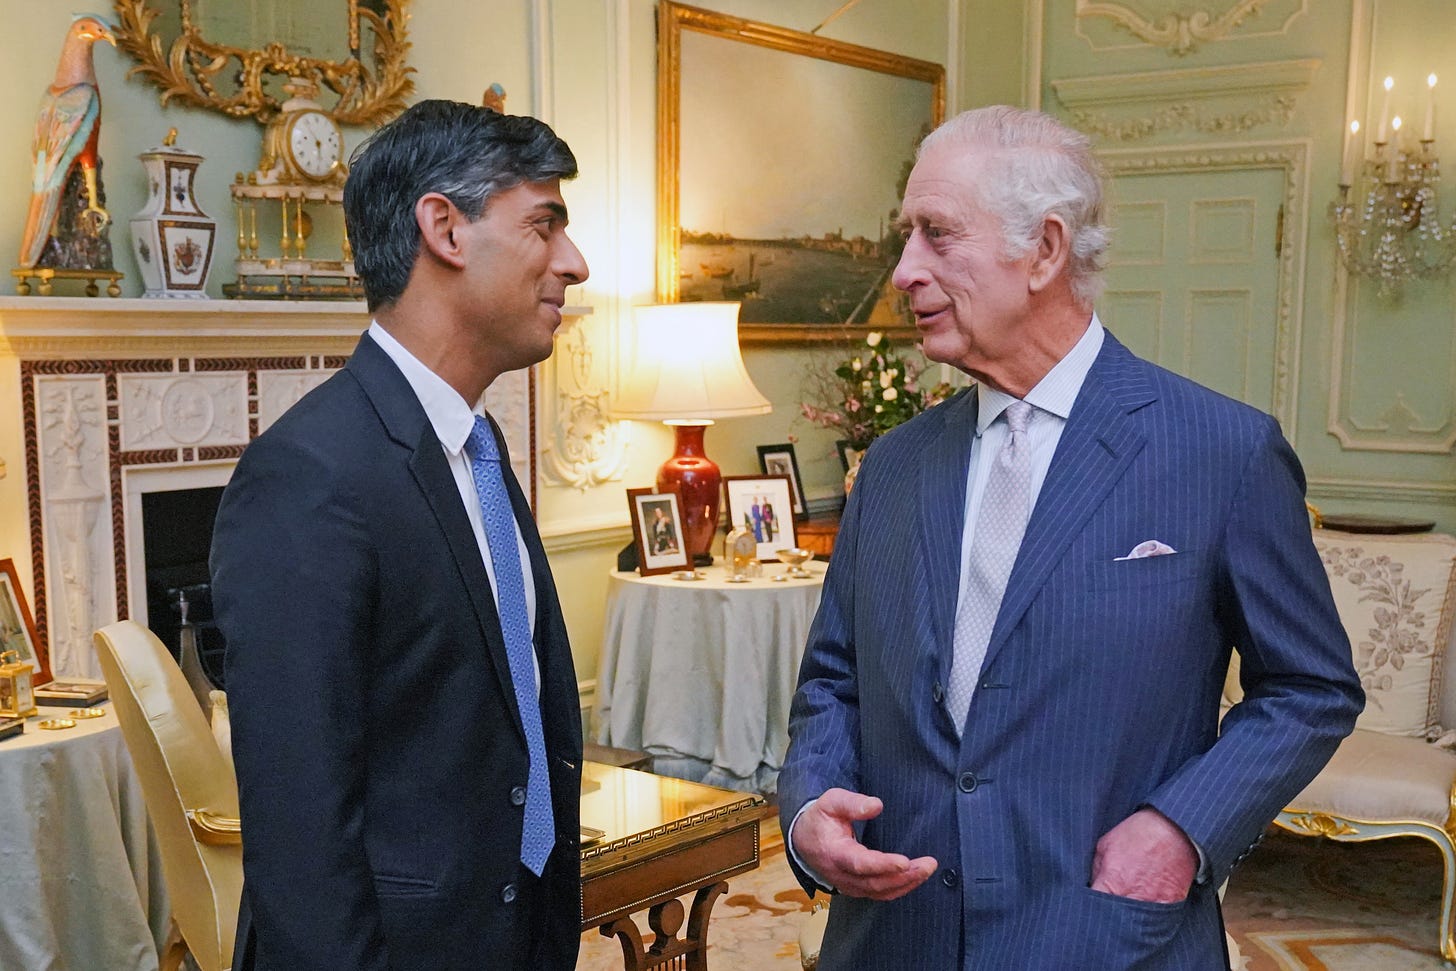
{"x":1100,"y":688}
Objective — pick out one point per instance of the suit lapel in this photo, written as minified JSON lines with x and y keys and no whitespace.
{"x":1099,"y":442}
{"x":943,"y":514}
{"x":405,"y":421}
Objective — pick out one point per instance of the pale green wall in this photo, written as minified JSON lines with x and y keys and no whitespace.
{"x":594,"y":62}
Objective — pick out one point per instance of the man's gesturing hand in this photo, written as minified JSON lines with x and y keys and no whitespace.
{"x":823,"y":838}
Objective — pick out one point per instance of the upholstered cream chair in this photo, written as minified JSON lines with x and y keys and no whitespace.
{"x":190,"y":791}
{"x":1396,"y":596}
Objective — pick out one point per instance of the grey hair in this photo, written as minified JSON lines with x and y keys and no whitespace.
{"x":466,"y":153}
{"x":1037,"y":167}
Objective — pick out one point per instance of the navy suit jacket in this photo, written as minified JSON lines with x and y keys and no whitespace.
{"x":1101,"y":685}
{"x":374,"y":723}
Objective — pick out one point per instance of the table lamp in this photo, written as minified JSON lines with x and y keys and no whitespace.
{"x":685,"y":370}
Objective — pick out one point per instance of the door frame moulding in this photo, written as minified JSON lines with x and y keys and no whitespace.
{"x":1292,"y":158}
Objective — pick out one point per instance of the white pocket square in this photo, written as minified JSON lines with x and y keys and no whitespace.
{"x":1149,"y":547}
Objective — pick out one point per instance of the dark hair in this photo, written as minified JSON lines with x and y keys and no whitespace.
{"x":461,"y":151}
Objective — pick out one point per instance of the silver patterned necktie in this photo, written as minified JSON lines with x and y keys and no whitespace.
{"x":538,"y":832}
{"x":1000,"y":525}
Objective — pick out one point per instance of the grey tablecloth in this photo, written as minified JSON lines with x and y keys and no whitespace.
{"x":700,"y":673}
{"x":80,"y":874}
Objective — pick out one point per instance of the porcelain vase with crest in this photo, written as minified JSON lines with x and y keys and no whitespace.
{"x":172,"y":238}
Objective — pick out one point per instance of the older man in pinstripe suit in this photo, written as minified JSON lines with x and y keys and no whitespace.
{"x":1006,"y":750}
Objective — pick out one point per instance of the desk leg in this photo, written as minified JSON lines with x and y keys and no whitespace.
{"x":666,"y":919}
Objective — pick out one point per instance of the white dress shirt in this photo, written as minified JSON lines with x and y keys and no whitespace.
{"x":1053,"y":396}
{"x":453,"y":421}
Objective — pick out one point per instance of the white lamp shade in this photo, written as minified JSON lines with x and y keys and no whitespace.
{"x":684,"y":363}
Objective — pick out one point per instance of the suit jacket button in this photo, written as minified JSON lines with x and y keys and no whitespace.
{"x":937,"y":692}
{"x":950,"y":878}
{"x":967,"y":782}
{"x":518,"y":796}
{"x":508,"y":894}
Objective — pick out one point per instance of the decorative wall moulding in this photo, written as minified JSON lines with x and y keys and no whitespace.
{"x":1214,"y":100}
{"x":1107,"y":25}
{"x":581,"y":446}
{"x":1292,"y":159}
{"x":1178,"y":117}
{"x":1380,"y":490}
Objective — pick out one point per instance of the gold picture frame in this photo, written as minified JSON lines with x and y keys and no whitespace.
{"x":808,"y":250}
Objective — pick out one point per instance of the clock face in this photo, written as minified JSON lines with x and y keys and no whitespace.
{"x":315,"y":144}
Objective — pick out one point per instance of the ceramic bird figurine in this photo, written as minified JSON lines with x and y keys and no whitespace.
{"x":66,"y":132}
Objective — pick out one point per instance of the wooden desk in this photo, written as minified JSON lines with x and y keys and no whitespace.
{"x":818,"y":533}
{"x":664,"y":838}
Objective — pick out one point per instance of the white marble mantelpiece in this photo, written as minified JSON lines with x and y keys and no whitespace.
{"x":103,"y":400}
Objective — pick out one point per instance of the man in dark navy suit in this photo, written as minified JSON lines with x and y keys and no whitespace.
{"x":1005,"y":747}
{"x":404,"y":709}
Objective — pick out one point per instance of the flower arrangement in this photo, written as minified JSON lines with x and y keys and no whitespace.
{"x":871,"y":392}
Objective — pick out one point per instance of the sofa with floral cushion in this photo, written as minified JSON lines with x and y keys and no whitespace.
{"x":1396,"y":773}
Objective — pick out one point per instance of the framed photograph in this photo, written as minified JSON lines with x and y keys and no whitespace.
{"x":17,"y":629}
{"x":782,"y":460}
{"x":848,"y":457}
{"x":757,"y":503}
{"x":807,"y":247}
{"x":657,"y":531}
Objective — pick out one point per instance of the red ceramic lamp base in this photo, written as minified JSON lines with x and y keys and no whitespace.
{"x":698,"y":483}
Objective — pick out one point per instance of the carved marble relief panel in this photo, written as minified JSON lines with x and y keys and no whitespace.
{"x":280,"y":390}
{"x":181,"y":410}
{"x":73,"y":451}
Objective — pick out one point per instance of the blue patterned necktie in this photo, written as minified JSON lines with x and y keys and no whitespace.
{"x":539,"y":833}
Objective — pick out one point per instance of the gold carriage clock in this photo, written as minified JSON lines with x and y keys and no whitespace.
{"x":301,"y":174}
{"x":17,"y":690}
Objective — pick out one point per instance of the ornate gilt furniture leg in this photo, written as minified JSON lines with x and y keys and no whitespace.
{"x":1358,"y":831}
{"x":666,"y":919}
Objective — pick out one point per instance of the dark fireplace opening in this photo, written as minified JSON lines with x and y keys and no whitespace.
{"x":177,"y":534}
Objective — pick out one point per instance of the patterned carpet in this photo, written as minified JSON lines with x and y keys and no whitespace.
{"x":1297,"y":904}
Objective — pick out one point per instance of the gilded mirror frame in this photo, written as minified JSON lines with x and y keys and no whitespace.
{"x":188,"y":70}
{"x":675,"y":18}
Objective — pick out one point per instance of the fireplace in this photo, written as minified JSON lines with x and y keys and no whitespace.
{"x":176,"y":538}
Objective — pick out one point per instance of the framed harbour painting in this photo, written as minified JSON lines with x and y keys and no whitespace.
{"x":782,"y":157}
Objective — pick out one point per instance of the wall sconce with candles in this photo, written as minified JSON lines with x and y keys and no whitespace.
{"x":685,"y":369}
{"x":1388,"y":218}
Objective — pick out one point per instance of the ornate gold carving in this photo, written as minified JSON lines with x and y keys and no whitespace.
{"x":1178,"y":31}
{"x":1319,"y":824}
{"x":1180,"y":116}
{"x":215,"y":830}
{"x":189,"y":69}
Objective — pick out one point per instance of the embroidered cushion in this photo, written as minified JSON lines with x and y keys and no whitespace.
{"x":1396,"y":596}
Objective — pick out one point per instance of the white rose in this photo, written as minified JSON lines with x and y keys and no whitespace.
{"x":879,"y":408}
{"x":885,"y":378}
{"x":855,"y":365}
{"x":873,"y":338}
{"x":890,"y":394}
